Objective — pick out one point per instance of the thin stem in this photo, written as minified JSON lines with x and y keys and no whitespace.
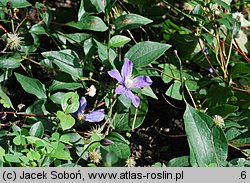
{"x":134,"y":120}
{"x":31,"y":60}
{"x":181,"y":77}
{"x":191,"y":97}
{"x":84,"y":152}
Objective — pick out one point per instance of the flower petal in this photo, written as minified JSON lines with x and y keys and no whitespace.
{"x":115,"y":74}
{"x":120,"y":89}
{"x":82,"y":106}
{"x":95,"y":116}
{"x":127,"y":68}
{"x":135,"y":99}
{"x":141,"y":81}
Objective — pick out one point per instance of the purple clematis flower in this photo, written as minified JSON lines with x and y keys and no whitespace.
{"x":94,"y":116}
{"x":128,"y":82}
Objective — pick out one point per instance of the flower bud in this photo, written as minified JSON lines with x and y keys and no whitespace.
{"x":9,"y":4}
{"x":106,"y":142}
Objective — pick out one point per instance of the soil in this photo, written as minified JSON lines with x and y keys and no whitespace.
{"x":161,"y":136}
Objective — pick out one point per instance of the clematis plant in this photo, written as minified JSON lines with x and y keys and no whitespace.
{"x":127,"y":81}
{"x":94,"y":116}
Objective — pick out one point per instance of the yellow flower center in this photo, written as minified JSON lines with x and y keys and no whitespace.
{"x":80,"y":117}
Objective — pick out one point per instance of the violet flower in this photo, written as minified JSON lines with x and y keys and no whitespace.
{"x":128,"y":82}
{"x":94,"y":116}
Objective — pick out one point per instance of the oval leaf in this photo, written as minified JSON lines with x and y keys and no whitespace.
{"x":207,"y":142}
{"x":10,"y":62}
{"x":118,"y":41}
{"x":146,"y":52}
{"x":130,"y":21}
{"x":89,"y":23}
{"x":120,"y":148}
{"x":70,"y":102}
{"x":66,"y":120}
{"x":66,"y":60}
{"x":5,"y":99}
{"x":32,"y":86}
{"x":37,"y":130}
{"x":58,"y":85}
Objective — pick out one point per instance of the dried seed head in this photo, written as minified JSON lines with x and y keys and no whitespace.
{"x":218,"y":121}
{"x":95,"y":156}
{"x":14,"y":42}
{"x":130,"y":162}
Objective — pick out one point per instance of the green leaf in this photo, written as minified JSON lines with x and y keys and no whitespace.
{"x":66,"y":120}
{"x":67,"y":60}
{"x":182,"y":161}
{"x":240,"y":70}
{"x":58,"y":85}
{"x":124,"y":100}
{"x":191,"y":85}
{"x":207,"y":142}
{"x":146,"y":91}
{"x":222,"y":110}
{"x":65,"y":139}
{"x":70,"y":102}
{"x":107,"y":55}
{"x":2,"y":154}
{"x":11,"y":158}
{"x":174,"y":90}
{"x":186,"y":44}
{"x":218,"y":95}
{"x":146,"y":52}
{"x":76,"y":37}
{"x":37,"y":29}
{"x":223,"y":4}
{"x":93,"y":23}
{"x":15,"y":3}
{"x":120,"y":148}
{"x":57,"y":97}
{"x":17,"y":140}
{"x":95,"y":5}
{"x":81,"y":11}
{"x":10,"y":61}
{"x":38,"y":107}
{"x":170,"y":72}
{"x":33,"y":155}
{"x":130,"y":21}
{"x":32,"y":86}
{"x":123,"y":120}
{"x":61,"y":154}
{"x":37,"y":130}
{"x":118,"y":40}
{"x":77,"y":141}
{"x":6,"y":100}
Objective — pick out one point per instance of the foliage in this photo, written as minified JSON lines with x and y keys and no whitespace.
{"x":51,"y":57}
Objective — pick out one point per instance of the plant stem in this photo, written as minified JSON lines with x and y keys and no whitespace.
{"x":84,"y":152}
